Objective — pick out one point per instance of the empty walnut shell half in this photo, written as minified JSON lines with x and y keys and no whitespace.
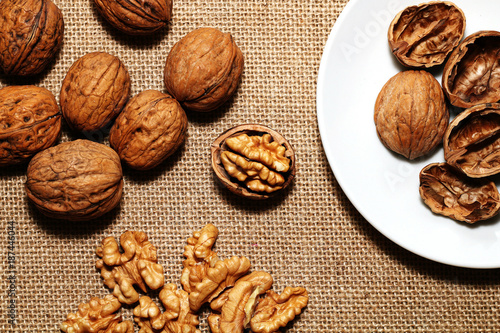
{"x":31,"y":33}
{"x":472,"y":141}
{"x":30,"y":121}
{"x":424,"y":35}
{"x":203,"y":69}
{"x":253,"y":161}
{"x":449,"y":192}
{"x":136,"y":17}
{"x":75,"y":180}
{"x":471,"y":76}
{"x":411,"y":114}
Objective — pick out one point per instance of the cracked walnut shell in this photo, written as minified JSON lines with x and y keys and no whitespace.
{"x":471,"y":75}
{"x":472,"y":141}
{"x":253,"y":161}
{"x":30,"y":122}
{"x":136,"y":17}
{"x":76,"y":180}
{"x":99,"y":316}
{"x":422,"y":36}
{"x":411,"y":114}
{"x":449,"y":192}
{"x":31,"y":33}
{"x":151,"y":127}
{"x":137,"y":265}
{"x":203,"y":69}
{"x":94,"y":91}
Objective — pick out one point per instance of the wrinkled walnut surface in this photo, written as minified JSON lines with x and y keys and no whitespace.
{"x":177,"y":317}
{"x":253,"y":161}
{"x":472,"y":141}
{"x":31,"y":33}
{"x":136,"y":17}
{"x":411,"y":114}
{"x":98,"y":316}
{"x":150,"y":128}
{"x":137,"y":265}
{"x":94,"y":91}
{"x":277,"y":310}
{"x":471,"y":75}
{"x":75,"y":180}
{"x":30,"y":121}
{"x":424,"y":35}
{"x":203,"y":69}
{"x":451,"y":193}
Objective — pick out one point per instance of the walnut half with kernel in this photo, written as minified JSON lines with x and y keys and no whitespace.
{"x":253,"y":161}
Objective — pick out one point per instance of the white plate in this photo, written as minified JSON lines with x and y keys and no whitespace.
{"x":355,"y":65}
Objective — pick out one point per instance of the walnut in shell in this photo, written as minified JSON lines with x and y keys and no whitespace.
{"x":449,"y":192}
{"x":471,"y":75}
{"x":253,"y":161}
{"x":150,"y":128}
{"x":76,"y":180}
{"x":411,"y":114}
{"x":94,"y":91}
{"x":472,"y":141}
{"x":31,"y":33}
{"x":424,"y":35}
{"x":203,"y":69}
{"x":30,"y":121}
{"x":136,"y":17}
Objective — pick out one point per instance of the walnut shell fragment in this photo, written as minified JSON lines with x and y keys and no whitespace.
{"x":253,"y":161}
{"x":151,"y":127}
{"x":422,"y":36}
{"x":76,"y":180}
{"x":471,"y":76}
{"x":411,"y":114}
{"x":30,"y":121}
{"x":136,"y":266}
{"x":31,"y":33}
{"x":449,"y":192}
{"x":98,"y":315}
{"x":203,"y":69}
{"x":472,"y":141}
{"x":94,"y":91}
{"x":136,"y":17}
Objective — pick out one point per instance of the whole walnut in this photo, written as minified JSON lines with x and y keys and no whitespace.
{"x":31,"y":33}
{"x":150,"y":128}
{"x":94,"y":91}
{"x":411,"y":114}
{"x":76,"y":180}
{"x":136,"y":17}
{"x":203,"y":69}
{"x":30,"y":121}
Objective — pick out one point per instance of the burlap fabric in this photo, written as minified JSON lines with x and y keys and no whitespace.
{"x":311,"y":236}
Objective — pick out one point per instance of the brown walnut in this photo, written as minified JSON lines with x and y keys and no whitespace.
{"x":449,"y":192}
{"x":471,"y":75}
{"x":411,"y":114}
{"x":472,"y":141}
{"x":75,"y":180}
{"x":423,"y":36}
{"x":150,"y":128}
{"x":253,"y":161}
{"x":94,"y":91}
{"x":136,"y":17}
{"x":203,"y":69}
{"x":31,"y":33}
{"x":30,"y":121}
